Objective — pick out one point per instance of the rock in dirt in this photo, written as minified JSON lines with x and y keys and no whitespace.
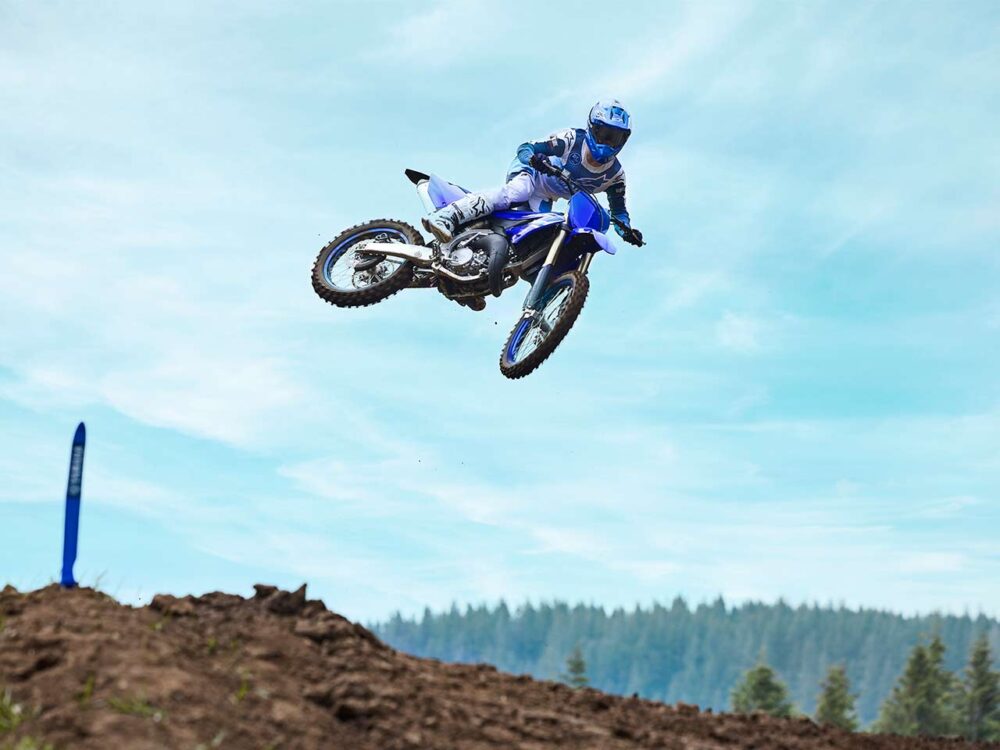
{"x":172,"y":606}
{"x":286,"y":602}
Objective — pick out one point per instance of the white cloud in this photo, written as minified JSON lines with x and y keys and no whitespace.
{"x":847,"y":487}
{"x":223,"y":390}
{"x":993,"y":316}
{"x":739,"y":333}
{"x":573,"y":541}
{"x":685,"y":289}
{"x":933,"y":562}
{"x":447,"y":33}
{"x":404,"y":478}
{"x":218,"y":395}
{"x":648,"y":571}
{"x":656,"y":66}
{"x":948,"y":507}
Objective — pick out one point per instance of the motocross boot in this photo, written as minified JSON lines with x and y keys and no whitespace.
{"x":444,"y":222}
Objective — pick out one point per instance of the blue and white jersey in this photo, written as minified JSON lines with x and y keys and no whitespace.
{"x":568,"y":149}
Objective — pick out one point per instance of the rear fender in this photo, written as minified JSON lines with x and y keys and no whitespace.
{"x":442,"y":192}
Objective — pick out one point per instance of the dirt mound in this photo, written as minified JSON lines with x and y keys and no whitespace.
{"x":280,"y":671}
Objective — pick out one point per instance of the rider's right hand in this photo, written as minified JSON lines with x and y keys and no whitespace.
{"x":542,"y":164}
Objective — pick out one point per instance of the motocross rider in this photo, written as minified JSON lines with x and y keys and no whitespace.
{"x":589,"y":156}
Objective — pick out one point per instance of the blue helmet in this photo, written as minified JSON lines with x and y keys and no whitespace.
{"x":608,"y":127}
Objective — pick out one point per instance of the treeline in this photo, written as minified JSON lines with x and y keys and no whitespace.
{"x":927,"y":699}
{"x":695,"y":654}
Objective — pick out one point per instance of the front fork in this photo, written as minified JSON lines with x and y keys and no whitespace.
{"x":542,"y":279}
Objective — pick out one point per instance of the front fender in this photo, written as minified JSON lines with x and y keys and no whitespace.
{"x":602,"y":240}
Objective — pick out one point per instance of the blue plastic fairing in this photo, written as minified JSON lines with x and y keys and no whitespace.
{"x":585,"y":212}
{"x":520,"y":231}
{"x":515,"y":214}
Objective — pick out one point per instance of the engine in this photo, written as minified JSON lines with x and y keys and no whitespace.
{"x":469,"y":253}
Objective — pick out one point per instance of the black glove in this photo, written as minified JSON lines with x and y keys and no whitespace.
{"x":542,"y":164}
{"x":632,"y":236}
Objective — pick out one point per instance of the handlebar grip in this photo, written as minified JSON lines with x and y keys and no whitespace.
{"x":541,"y":163}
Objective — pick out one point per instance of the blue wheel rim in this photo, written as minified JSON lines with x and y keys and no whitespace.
{"x":527,"y":324}
{"x":349,"y":242}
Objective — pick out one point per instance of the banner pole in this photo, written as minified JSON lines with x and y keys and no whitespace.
{"x":73,"y":488}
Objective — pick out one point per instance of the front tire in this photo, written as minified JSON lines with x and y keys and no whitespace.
{"x":529,"y":344}
{"x":344,"y":278}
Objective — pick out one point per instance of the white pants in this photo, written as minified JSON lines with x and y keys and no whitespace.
{"x":524,"y":187}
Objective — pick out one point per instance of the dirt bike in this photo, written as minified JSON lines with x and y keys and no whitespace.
{"x":552,"y":251}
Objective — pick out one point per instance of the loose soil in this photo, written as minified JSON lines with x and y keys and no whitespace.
{"x":279,"y":671}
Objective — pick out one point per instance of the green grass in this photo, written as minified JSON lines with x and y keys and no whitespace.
{"x":87,"y":691}
{"x":244,"y":689}
{"x":28,"y":743}
{"x":11,"y":716}
{"x":133,"y":706}
{"x":11,"y":713}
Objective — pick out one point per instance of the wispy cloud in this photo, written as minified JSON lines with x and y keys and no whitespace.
{"x":948,"y":507}
{"x":739,"y":333}
{"x":656,"y":65}
{"x":933,"y":562}
{"x":440,"y":34}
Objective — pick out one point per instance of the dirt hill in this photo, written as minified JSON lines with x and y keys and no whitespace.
{"x":279,"y":671}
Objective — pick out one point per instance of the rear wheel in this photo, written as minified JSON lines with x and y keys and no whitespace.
{"x":534,"y":339}
{"x":345,"y":277}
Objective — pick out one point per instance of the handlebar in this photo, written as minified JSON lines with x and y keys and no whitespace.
{"x":546,"y":167}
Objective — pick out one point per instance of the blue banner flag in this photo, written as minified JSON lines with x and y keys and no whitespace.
{"x":73,"y":487}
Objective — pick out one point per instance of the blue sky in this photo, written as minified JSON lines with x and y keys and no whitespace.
{"x":791,"y":391}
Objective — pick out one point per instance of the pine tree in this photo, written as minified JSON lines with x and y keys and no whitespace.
{"x":576,"y":669}
{"x":836,"y":702}
{"x":761,"y":691}
{"x":923,"y":702}
{"x":981,"y":694}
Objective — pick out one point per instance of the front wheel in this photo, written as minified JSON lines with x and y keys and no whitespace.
{"x":347,"y":278}
{"x":535,"y":338}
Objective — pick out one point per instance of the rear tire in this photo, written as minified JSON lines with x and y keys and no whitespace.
{"x":515,"y":360}
{"x":340,"y":279}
